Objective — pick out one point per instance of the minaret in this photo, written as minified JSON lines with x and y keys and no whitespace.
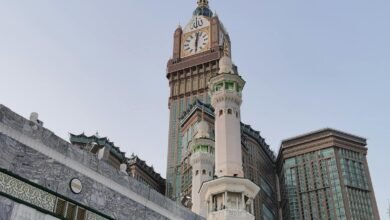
{"x":202,"y":162}
{"x":225,"y":91}
{"x":230,"y":196}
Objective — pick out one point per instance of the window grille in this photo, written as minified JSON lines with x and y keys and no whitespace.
{"x":70,"y":212}
{"x":81,"y":213}
{"x":61,"y":206}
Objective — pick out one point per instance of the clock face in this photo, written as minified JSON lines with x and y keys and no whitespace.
{"x":196,"y":42}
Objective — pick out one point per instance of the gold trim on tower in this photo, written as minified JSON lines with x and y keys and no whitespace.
{"x":203,"y":3}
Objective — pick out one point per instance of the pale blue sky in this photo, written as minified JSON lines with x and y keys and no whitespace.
{"x":99,"y":65}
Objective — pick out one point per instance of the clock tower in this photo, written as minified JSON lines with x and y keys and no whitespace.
{"x":197,"y":49}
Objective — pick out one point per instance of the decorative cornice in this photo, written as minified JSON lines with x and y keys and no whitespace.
{"x":135,"y":160}
{"x":228,"y":96}
{"x":227,"y":77}
{"x":320,"y":134}
{"x":248,"y":130}
{"x":191,"y":61}
{"x":103,"y":142}
{"x":206,"y":158}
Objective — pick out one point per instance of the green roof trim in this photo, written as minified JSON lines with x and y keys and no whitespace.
{"x":105,"y":142}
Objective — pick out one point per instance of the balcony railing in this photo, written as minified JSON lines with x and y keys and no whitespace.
{"x":221,"y":214}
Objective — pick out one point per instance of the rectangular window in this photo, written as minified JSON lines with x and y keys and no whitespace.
{"x":267,"y":214}
{"x":60,"y":208}
{"x":266,"y":188}
{"x":81,"y":213}
{"x":71,"y":211}
{"x":218,"y":87}
{"x":229,"y":86}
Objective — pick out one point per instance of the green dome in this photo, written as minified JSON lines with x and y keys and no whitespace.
{"x":203,"y":11}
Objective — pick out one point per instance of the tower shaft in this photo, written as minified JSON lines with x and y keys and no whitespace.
{"x":227,"y":102}
{"x":230,"y":196}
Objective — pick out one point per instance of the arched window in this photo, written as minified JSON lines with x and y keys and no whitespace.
{"x":220,"y":112}
{"x":230,"y":111}
{"x":204,"y":172}
{"x":196,"y":172}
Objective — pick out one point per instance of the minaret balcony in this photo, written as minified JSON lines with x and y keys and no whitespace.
{"x":205,"y":145}
{"x":202,"y":157}
{"x":229,"y":198}
{"x":231,"y":214}
{"x":226,"y":96}
{"x":226,"y":82}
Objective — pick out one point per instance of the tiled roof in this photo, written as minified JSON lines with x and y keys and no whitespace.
{"x":84,"y":139}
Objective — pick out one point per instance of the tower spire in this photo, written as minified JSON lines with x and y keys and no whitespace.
{"x":203,"y":3}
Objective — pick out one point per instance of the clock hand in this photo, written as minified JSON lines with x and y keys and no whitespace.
{"x":196,"y":41}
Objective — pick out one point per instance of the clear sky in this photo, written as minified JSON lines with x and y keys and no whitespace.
{"x":99,"y":65}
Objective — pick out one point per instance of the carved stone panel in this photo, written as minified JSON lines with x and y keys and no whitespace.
{"x":27,"y":193}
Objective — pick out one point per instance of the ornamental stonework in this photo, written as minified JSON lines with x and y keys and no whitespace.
{"x":27,"y":193}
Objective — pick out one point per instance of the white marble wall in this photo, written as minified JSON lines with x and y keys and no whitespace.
{"x":22,"y":212}
{"x":38,"y":155}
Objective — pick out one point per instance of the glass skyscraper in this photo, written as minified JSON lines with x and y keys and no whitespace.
{"x":324,"y":175}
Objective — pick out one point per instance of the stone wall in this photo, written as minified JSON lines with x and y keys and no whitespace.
{"x":34,"y":153}
{"x":10,"y":210}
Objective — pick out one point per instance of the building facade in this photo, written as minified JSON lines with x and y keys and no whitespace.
{"x":325,"y":175}
{"x":43,"y":177}
{"x":106,"y":150}
{"x":146,"y":174}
